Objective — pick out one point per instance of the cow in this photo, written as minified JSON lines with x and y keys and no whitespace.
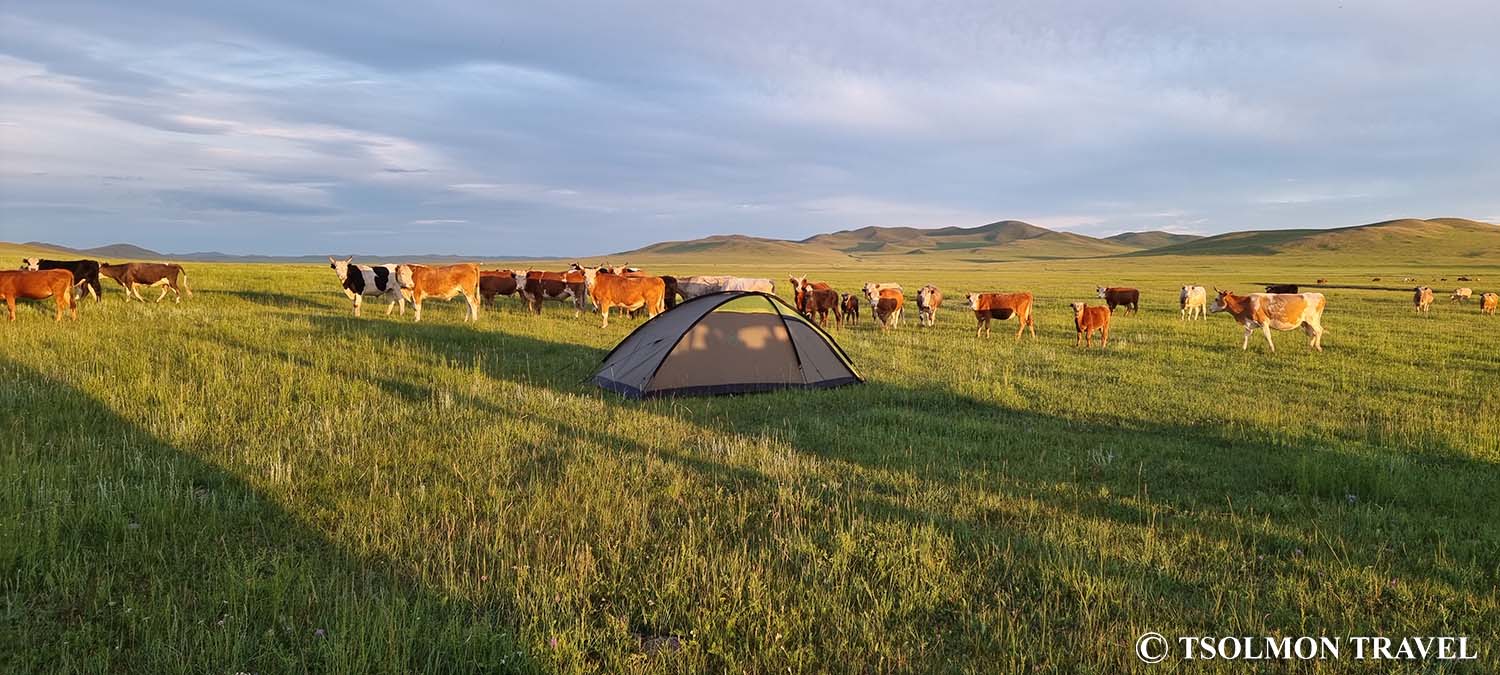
{"x":929,"y":299}
{"x":872,"y":292}
{"x":131,"y":276}
{"x":85,"y":273}
{"x":1461,"y":295}
{"x":1322,"y":281}
{"x":694,"y":286}
{"x":1194,"y":302}
{"x":1282,"y":311}
{"x":888,"y":307}
{"x":38,"y":285}
{"x":1466,"y":279}
{"x":1001,"y":306}
{"x":1374,"y":278}
{"x":1488,"y":302}
{"x":442,"y":282}
{"x":1421,"y":298}
{"x":626,"y":292}
{"x":850,"y":305}
{"x":815,"y":299}
{"x":374,"y":280}
{"x":1282,"y":288}
{"x":1088,"y":319}
{"x":1116,"y":296}
{"x":559,"y":286}
{"x":497,"y":282}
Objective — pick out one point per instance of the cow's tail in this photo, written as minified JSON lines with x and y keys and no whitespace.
{"x":669,"y":295}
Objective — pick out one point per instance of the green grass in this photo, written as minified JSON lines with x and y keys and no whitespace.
{"x":256,"y":481}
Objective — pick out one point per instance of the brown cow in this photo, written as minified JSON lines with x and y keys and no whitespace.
{"x":497,"y":282}
{"x":38,"y":285}
{"x":817,"y":299}
{"x":626,"y":292}
{"x":851,"y":308}
{"x":443,"y":282}
{"x":1421,"y":298}
{"x":1088,"y":319}
{"x":131,"y":276}
{"x":929,"y":299}
{"x":559,"y":286}
{"x":1282,"y":311}
{"x":1116,"y":296}
{"x":1001,"y":306}
{"x":889,"y":305}
{"x":1488,"y":302}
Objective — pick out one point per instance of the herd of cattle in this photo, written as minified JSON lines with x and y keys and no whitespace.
{"x":1281,"y":307}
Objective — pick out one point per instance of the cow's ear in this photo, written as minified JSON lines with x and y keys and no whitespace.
{"x":349,"y":259}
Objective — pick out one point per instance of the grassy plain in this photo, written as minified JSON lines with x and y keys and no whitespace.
{"x":256,"y":481}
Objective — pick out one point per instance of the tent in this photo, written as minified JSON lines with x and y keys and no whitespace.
{"x":731,"y":342}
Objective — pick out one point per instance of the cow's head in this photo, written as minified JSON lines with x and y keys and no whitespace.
{"x":972,"y":300}
{"x":1100,"y":290}
{"x":32,"y":264}
{"x":589,"y":274}
{"x":340,"y":267}
{"x":1077,"y":308}
{"x":1219,"y":304}
{"x":871,"y":291}
{"x":797,"y":282}
{"x":927,"y":294}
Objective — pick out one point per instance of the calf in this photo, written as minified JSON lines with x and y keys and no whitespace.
{"x":929,"y":299}
{"x":85,"y":273}
{"x":1281,"y":288}
{"x":359,"y":281}
{"x":815,"y":299}
{"x":888,"y":306}
{"x":1282,"y":311}
{"x":497,"y":282}
{"x":442,"y":282}
{"x":1116,"y":296}
{"x":131,"y":276}
{"x":1088,"y":319}
{"x":1488,"y":302}
{"x":1421,"y":298}
{"x":1461,"y":295}
{"x":851,"y":307}
{"x":1001,"y":306}
{"x":1194,"y":301}
{"x":626,"y":292}
{"x":38,"y":285}
{"x":559,"y":286}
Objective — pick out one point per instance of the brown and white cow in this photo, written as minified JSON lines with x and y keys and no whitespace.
{"x":497,"y":282}
{"x":557,"y":286}
{"x":443,"y":282}
{"x":1421,"y":298}
{"x":929,"y":299}
{"x":850,"y":305}
{"x":1282,"y":311}
{"x":1116,"y":296}
{"x":871,"y":290}
{"x":38,"y":285}
{"x":626,"y":292}
{"x":131,"y":276}
{"x":1088,"y":319}
{"x":1488,"y":302}
{"x":1001,"y":306}
{"x":888,"y":307}
{"x":1461,"y":295}
{"x":815,"y":299}
{"x":1194,"y":302}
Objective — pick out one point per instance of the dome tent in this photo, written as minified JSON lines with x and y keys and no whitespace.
{"x":731,"y":342}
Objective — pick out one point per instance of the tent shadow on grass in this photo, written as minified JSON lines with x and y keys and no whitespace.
{"x":127,"y":553}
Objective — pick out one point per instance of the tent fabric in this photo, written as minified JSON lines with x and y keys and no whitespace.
{"x":725,"y":343}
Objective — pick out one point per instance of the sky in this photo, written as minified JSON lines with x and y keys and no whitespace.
{"x":577,"y":128}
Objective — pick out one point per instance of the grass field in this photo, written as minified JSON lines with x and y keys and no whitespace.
{"x":256,"y":481}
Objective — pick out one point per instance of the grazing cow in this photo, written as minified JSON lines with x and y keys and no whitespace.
{"x":1461,"y":295}
{"x":1421,"y":297}
{"x":131,"y":276}
{"x":1282,"y":288}
{"x":1466,"y":279}
{"x":929,"y":299}
{"x":497,"y":282}
{"x":375,"y":280}
{"x":1374,"y":278}
{"x":1322,"y":281}
{"x":38,"y":285}
{"x":1282,"y":311}
{"x":1114,"y":296}
{"x":1488,"y":302}
{"x":85,"y":273}
{"x":442,"y":282}
{"x":1194,"y":301}
{"x":850,"y":306}
{"x":1088,"y":319}
{"x":815,"y":299}
{"x":558,"y":286}
{"x":888,"y":307}
{"x":1001,"y":306}
{"x":694,"y":286}
{"x":626,"y":292}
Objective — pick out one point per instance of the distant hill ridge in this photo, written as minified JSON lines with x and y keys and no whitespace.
{"x":1429,"y":238}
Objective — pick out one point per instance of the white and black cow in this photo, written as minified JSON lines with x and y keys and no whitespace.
{"x":362,"y":280}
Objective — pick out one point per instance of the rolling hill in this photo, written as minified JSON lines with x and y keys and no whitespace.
{"x":1151,"y":239}
{"x":733,"y":246}
{"x":1006,"y":239}
{"x":1447,"y":238}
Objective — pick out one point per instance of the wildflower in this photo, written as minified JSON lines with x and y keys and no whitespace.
{"x":552,"y":642}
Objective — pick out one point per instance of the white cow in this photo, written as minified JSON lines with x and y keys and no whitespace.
{"x":361,"y":280}
{"x":692,"y":287}
{"x":1461,"y":295}
{"x":1194,"y":301}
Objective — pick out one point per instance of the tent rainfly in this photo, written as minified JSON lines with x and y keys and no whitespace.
{"x":731,"y":342}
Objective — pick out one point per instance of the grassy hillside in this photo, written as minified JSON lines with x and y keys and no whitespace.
{"x":1004,"y":240}
{"x":1151,"y":239}
{"x":270,"y":485}
{"x":1432,"y":239}
{"x":734,"y":246}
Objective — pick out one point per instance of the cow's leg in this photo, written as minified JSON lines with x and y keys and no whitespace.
{"x":473,"y":307}
{"x":358,"y":301}
{"x":1249,"y":328}
{"x":603,"y":313}
{"x":1266,"y":330}
{"x":416,"y":306}
{"x":1104,"y":336}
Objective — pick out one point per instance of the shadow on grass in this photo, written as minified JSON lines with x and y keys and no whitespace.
{"x":126,"y":553}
